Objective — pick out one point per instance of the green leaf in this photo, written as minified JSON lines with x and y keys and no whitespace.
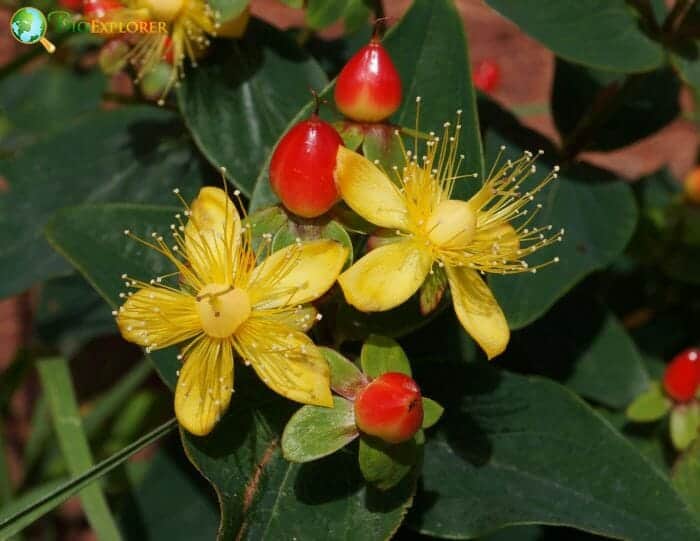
{"x":322,"y":13}
{"x":264,"y":497}
{"x":139,"y":153}
{"x":383,"y":464}
{"x":686,"y":477}
{"x":45,"y":100}
{"x":649,"y":406}
{"x":432,"y":411}
{"x":685,"y":422}
{"x":314,"y":432}
{"x":56,"y":382}
{"x":594,"y":355}
{"x":241,"y":98}
{"x":430,"y":30}
{"x":92,"y":239}
{"x":604,"y":34}
{"x":380,"y":355}
{"x":25,"y":511}
{"x":170,"y":483}
{"x":599,"y":218}
{"x":516,"y":450}
{"x":639,"y":105}
{"x":346,"y":377}
{"x":70,"y":313}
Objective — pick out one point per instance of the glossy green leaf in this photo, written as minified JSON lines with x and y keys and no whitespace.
{"x":604,"y":34}
{"x":134,"y":153}
{"x":264,"y":497}
{"x":235,"y":105}
{"x":685,"y":423}
{"x":346,"y":377}
{"x":45,"y":100}
{"x":70,"y":313}
{"x":432,"y":411}
{"x":516,"y":450}
{"x":92,"y":239}
{"x":649,"y":406}
{"x":598,"y":217}
{"x":314,"y":432}
{"x":638,"y":105}
{"x":686,"y":477}
{"x":172,"y":502}
{"x":381,"y":354}
{"x":383,"y":464}
{"x":430,"y":50}
{"x":56,"y":381}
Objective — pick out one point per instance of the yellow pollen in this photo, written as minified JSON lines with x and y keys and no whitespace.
{"x":222,"y":309}
{"x":452,"y":224}
{"x":163,"y":10}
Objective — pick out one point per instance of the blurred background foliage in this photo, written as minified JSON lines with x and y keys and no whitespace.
{"x":535,"y":446}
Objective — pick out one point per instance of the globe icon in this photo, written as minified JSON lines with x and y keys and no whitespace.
{"x":28,"y":25}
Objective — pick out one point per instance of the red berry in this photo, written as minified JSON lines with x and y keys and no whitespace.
{"x":301,"y":169}
{"x":486,"y":75}
{"x":682,"y":376}
{"x":368,"y":88}
{"x":73,"y":5}
{"x":390,"y":407}
{"x":98,"y":9}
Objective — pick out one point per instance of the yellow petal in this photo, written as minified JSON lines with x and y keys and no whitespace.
{"x":156,"y":317}
{"x":297,"y":274}
{"x":300,"y":318}
{"x":205,"y":384}
{"x":478,"y":310}
{"x":286,"y":360}
{"x":212,"y":236}
{"x":368,"y":191}
{"x":386,"y":277}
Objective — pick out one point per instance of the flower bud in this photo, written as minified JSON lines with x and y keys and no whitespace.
{"x":390,"y":407}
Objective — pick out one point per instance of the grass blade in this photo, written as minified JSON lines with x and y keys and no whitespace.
{"x":13,"y":521}
{"x":58,"y":388}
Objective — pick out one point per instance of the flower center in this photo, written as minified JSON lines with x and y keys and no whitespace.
{"x":163,"y":10}
{"x":452,"y":224}
{"x":222,"y":309}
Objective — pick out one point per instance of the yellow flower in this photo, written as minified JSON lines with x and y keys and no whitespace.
{"x":225,"y":305}
{"x":189,"y":25}
{"x":490,"y":233}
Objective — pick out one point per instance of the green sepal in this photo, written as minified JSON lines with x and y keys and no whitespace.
{"x":346,"y":378}
{"x":384,"y":464}
{"x":432,"y":291}
{"x":352,"y":133}
{"x":312,"y":229}
{"x":314,"y":431}
{"x":381,"y":354}
{"x":649,"y":406}
{"x":432,"y":411}
{"x":267,"y":221}
{"x":685,"y":421}
{"x":383,"y":146}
